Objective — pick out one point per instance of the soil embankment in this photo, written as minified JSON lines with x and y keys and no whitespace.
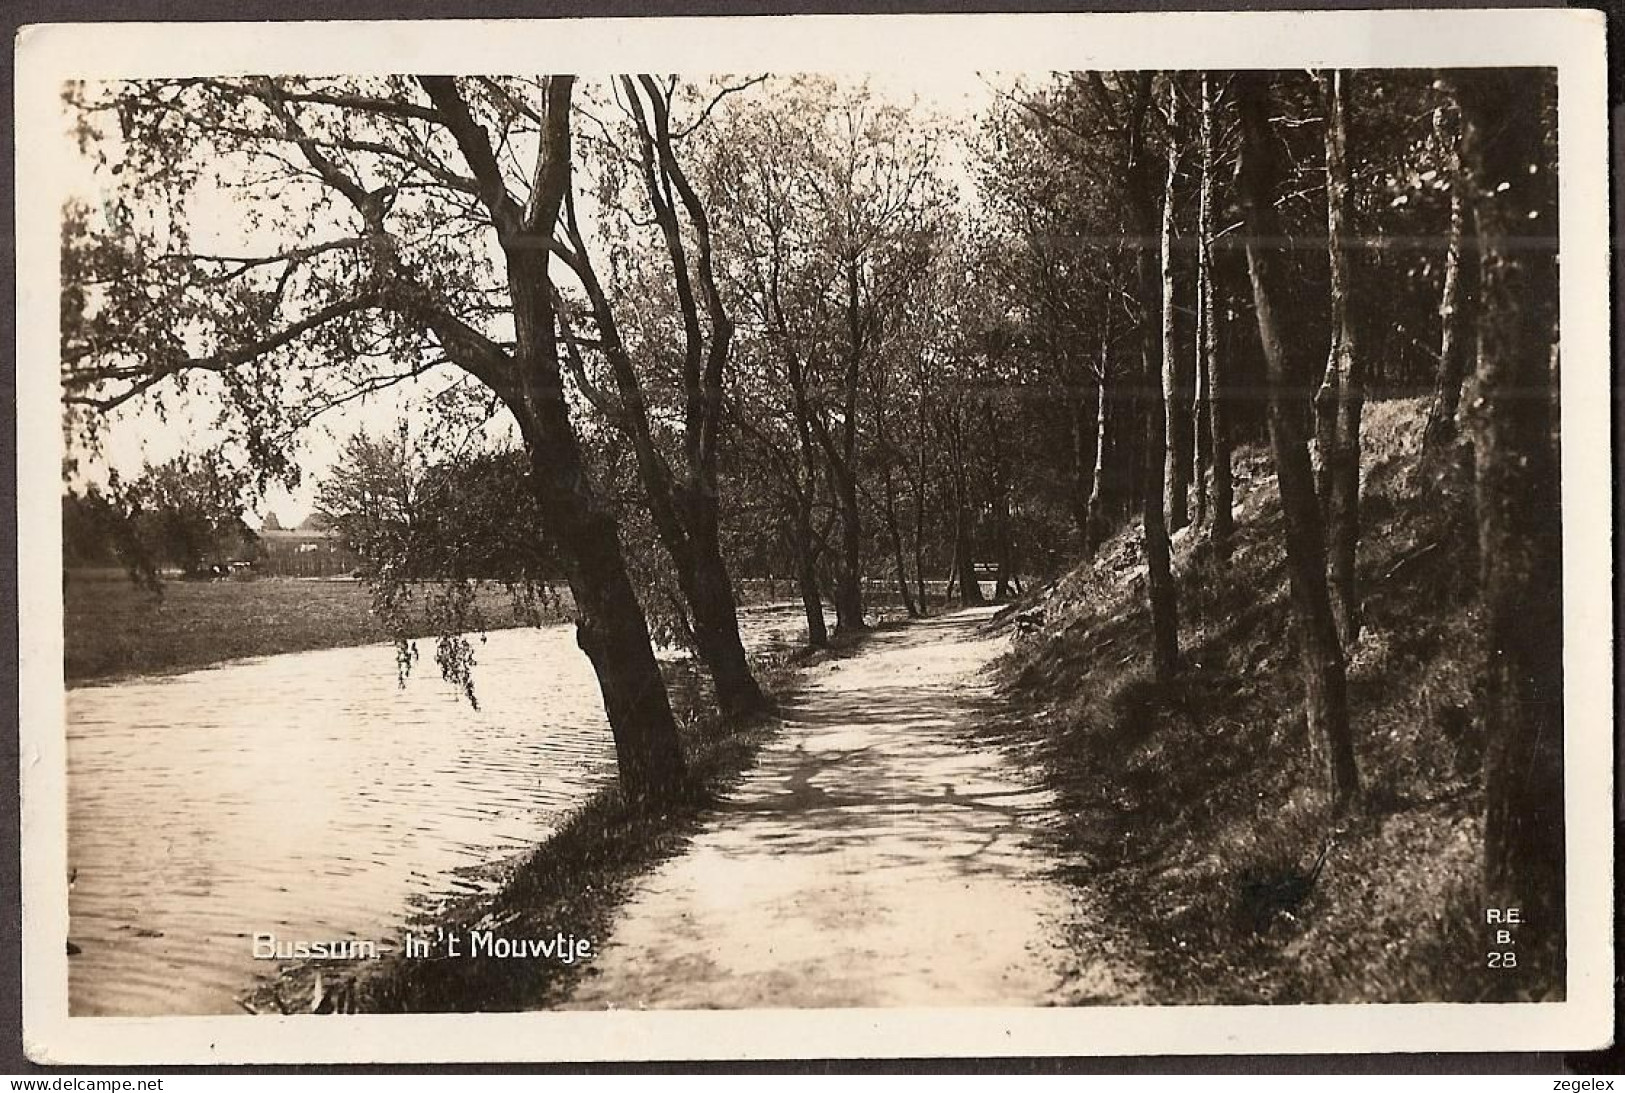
{"x":1196,"y":807}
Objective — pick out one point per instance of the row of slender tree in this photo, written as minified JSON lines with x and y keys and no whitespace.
{"x":1302,"y":217}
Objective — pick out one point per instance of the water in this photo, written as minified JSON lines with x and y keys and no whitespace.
{"x":309,"y":796}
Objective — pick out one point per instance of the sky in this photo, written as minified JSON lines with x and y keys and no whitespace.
{"x":135,"y":435}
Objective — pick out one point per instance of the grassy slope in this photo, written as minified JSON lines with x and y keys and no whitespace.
{"x":1194,"y":808}
{"x":113,"y":627}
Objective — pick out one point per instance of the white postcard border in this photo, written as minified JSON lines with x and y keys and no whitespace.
{"x":1571,"y":41}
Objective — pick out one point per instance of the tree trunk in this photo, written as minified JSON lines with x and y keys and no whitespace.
{"x":812,"y":599}
{"x":812,"y":604}
{"x":1002,"y":546}
{"x":610,"y":626}
{"x":838,"y":471}
{"x":901,"y":570}
{"x":1201,"y":425}
{"x":922,"y":595}
{"x":1095,"y":524}
{"x":1519,"y":520}
{"x":812,"y":593}
{"x":1201,"y":435}
{"x":1175,"y":397}
{"x":894,"y":532}
{"x":849,"y":579}
{"x":1135,"y":472}
{"x":1342,"y":502}
{"x":611,"y":631}
{"x":1324,"y":681}
{"x":1223,"y":524}
{"x":919,"y":498}
{"x":682,"y":506}
{"x":684,"y":514}
{"x":1324,"y":405}
{"x":888,"y":507}
{"x":710,"y":596}
{"x":1084,"y":467}
{"x":1163,"y":597}
{"x":970,"y":589}
{"x":849,"y":573}
{"x":1158,"y":556}
{"x":1456,"y":321}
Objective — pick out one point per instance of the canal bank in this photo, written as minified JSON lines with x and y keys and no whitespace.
{"x":314,"y":796}
{"x":863,"y":848}
{"x":572,"y":885}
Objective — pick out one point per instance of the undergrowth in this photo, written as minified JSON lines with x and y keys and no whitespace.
{"x":1195,"y":807}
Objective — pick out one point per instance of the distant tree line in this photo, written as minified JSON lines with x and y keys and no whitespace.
{"x":412,"y":517}
{"x":185,"y":513}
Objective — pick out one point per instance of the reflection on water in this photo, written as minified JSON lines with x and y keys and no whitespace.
{"x":309,"y":796}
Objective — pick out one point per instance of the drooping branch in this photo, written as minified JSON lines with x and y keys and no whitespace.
{"x":370,"y":104}
{"x":596,"y":395}
{"x":150,"y":374}
{"x":241,"y":265}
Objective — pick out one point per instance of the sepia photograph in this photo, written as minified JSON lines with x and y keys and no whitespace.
{"x":725,"y":538}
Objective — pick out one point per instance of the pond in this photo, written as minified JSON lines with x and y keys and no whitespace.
{"x":310,"y":796}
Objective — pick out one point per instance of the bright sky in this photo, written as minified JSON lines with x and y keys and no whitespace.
{"x":135,"y":435}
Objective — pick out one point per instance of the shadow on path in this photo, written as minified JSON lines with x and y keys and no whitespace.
{"x":875,"y":856}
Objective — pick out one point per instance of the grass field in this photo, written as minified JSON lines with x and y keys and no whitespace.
{"x":113,"y":627}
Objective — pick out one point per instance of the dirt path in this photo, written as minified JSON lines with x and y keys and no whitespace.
{"x":876,"y":856}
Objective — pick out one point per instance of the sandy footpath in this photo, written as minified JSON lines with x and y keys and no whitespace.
{"x":877,"y":855}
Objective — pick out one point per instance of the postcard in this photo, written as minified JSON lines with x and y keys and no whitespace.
{"x":815,"y":537}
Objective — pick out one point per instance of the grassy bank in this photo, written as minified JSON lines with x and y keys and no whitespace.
{"x":1195,"y":808}
{"x":572,"y":883}
{"x":113,"y":627}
